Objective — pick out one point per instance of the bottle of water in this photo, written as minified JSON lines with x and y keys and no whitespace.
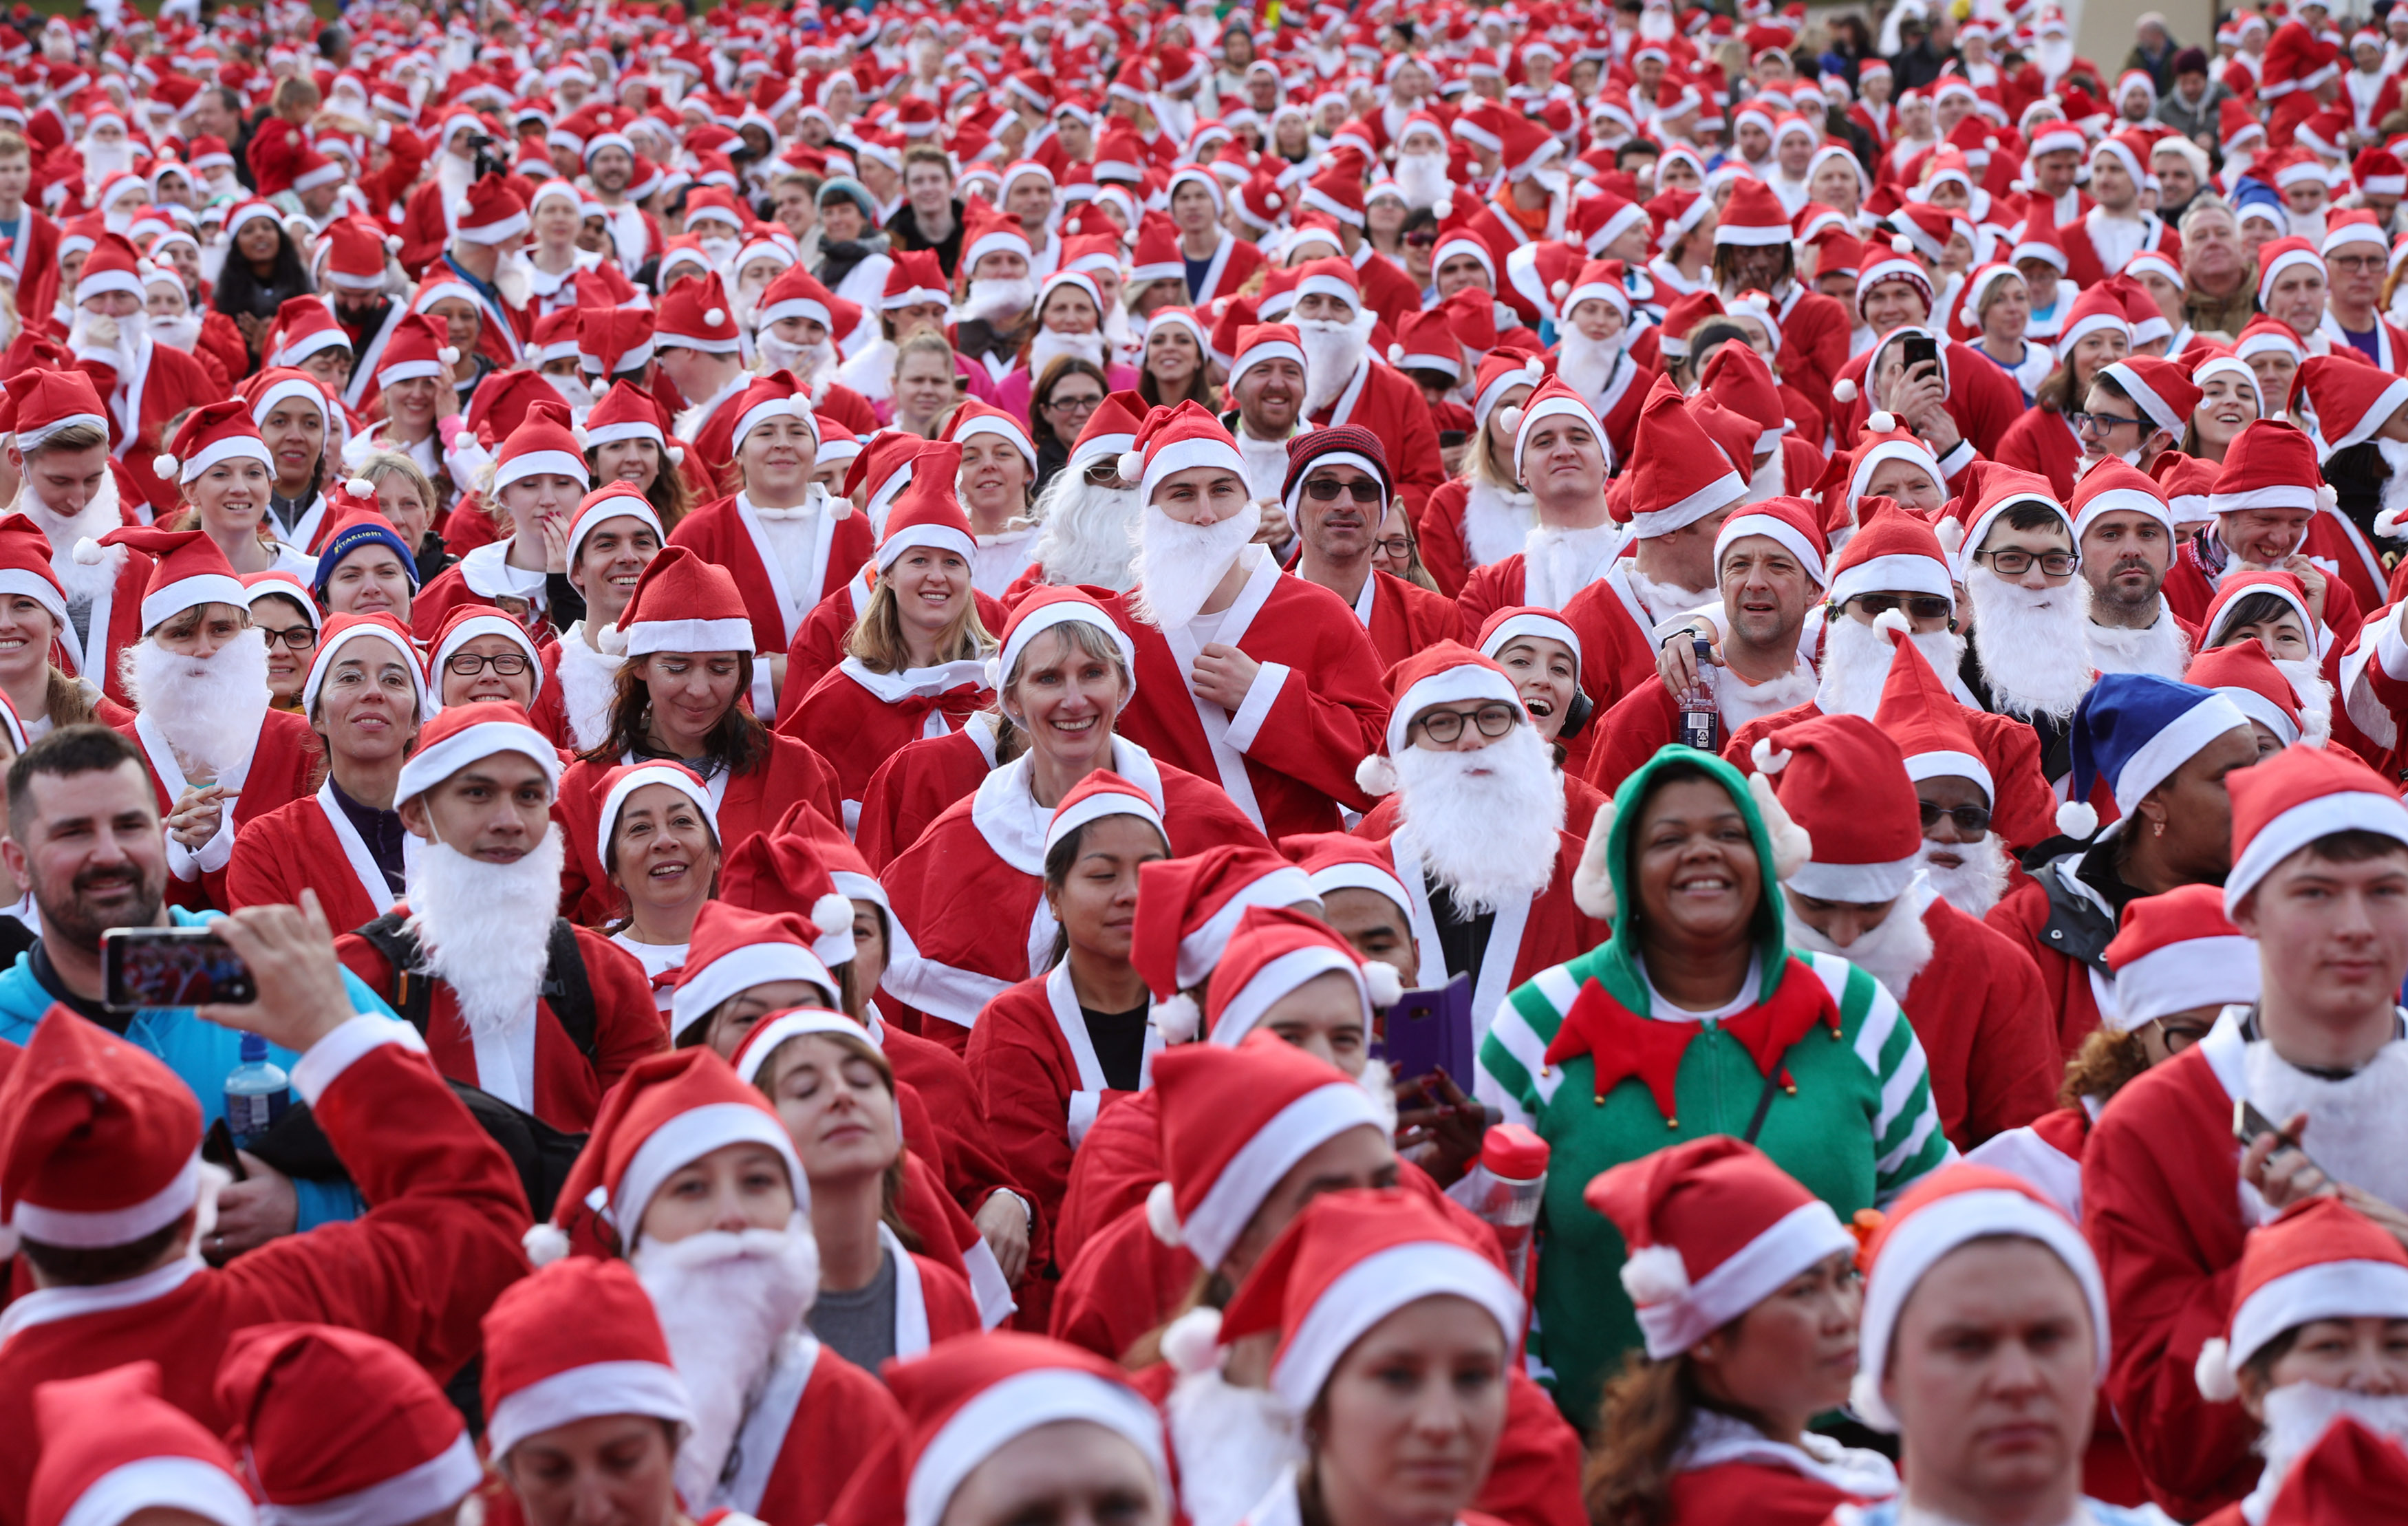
{"x":256,"y":1093}
{"x":1505,"y":1188}
{"x":1702,"y":720}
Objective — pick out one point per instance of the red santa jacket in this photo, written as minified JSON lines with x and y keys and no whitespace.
{"x":568,"y":1084}
{"x":1981,"y":1016}
{"x":307,"y":845}
{"x":38,"y":264}
{"x":1983,"y":399}
{"x":857,"y":719}
{"x":1762,"y":1493}
{"x":820,"y":1431}
{"x":2043,"y":441}
{"x":1383,"y":401}
{"x":282,"y":767}
{"x":1405,"y":617}
{"x":1387,"y":290}
{"x":1442,"y":535}
{"x":728,"y":531}
{"x":2023,"y":815}
{"x":2071,"y":986}
{"x":1814,"y":332}
{"x":438,"y":1242}
{"x":976,"y":1165}
{"x":818,"y":646}
{"x":114,"y":623}
{"x":1231,"y":266}
{"x":915,"y":786}
{"x":2084,"y":267}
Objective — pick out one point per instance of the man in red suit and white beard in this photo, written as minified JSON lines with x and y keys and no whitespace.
{"x":1344,"y":383}
{"x":59,"y":447}
{"x":145,"y":383}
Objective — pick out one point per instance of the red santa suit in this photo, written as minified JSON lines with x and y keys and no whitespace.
{"x":2043,"y":441}
{"x":1233,"y":264}
{"x":283,"y":765}
{"x":857,"y":718}
{"x":916,"y":785}
{"x":164,"y":383}
{"x":729,"y":532}
{"x":1381,"y":400}
{"x":1814,"y":332}
{"x":1401,"y":618}
{"x":1582,"y":801}
{"x":715,"y":441}
{"x":1979,"y":1011}
{"x":308,"y":844}
{"x":113,"y":623}
{"x":1466,"y":526}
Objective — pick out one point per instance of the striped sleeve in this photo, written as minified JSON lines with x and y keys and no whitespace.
{"x":1513,"y":1075}
{"x":1907,"y":1139}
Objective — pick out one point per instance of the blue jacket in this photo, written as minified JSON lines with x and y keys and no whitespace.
{"x":199,"y":1053}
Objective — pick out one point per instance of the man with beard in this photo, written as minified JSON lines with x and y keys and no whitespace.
{"x":146,"y":383}
{"x":1421,"y":167}
{"x":1973,"y":994}
{"x":1755,"y":251}
{"x":1345,"y":384}
{"x":1087,"y":516}
{"x":2026,"y":658}
{"x":1267,"y":385}
{"x":999,"y":300}
{"x":1262,"y":681}
{"x":68,"y":487}
{"x":1336,"y":495}
{"x":434,"y":209}
{"x":2125,"y":530}
{"x":218,"y":752}
{"x":691,"y":1178}
{"x":514,"y":1001}
{"x":2319,"y":867}
{"x":356,"y":291}
{"x":798,"y":323}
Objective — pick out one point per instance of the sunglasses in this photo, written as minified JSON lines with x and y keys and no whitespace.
{"x":1972,"y":820}
{"x":1325,"y":489}
{"x":1918,"y":606}
{"x":1420,"y":239}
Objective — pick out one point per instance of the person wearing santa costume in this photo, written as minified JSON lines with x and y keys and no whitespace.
{"x":2161,"y":752}
{"x":481,"y":653}
{"x":421,"y":412}
{"x":1970,"y":409}
{"x":2354,"y":406}
{"x":699,"y":347}
{"x":2320,"y":845}
{"x":103,"y":1188}
{"x":59,"y":448}
{"x":336,"y":1424}
{"x":1983,"y":1300}
{"x":33,"y":620}
{"x":365,"y":696}
{"x":1337,"y":495}
{"x":1483,"y":514}
{"x":476,"y":946}
{"x":1768,"y":563}
{"x":661,"y":850}
{"x":476,"y":265}
{"x":2124,"y":528}
{"x":1345,"y":384}
{"x":2270,"y":505}
{"x":1606,"y":1058}
{"x":2275,"y":613}
{"x":690,"y":1177}
{"x":612,"y":537}
{"x":539,"y":475}
{"x":299,"y":418}
{"x":800,"y":325}
{"x":915,"y":665}
{"x":1265,"y":683}
{"x":1755,"y":251}
{"x":1972,"y":993}
{"x":113,"y":1452}
{"x":1084,"y":513}
{"x":146,"y":383}
{"x":2016,"y":560}
{"x":1746,"y":1288}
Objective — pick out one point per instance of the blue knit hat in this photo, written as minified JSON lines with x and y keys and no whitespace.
{"x":2133,"y":730}
{"x":354,"y":532}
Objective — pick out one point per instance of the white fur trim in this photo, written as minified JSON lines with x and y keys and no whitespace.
{"x":1793,"y":848}
{"x":832,"y":913}
{"x":2213,"y":1372}
{"x":1593,"y":880}
{"x":545,"y":1244}
{"x":1766,"y":759}
{"x":1891,"y":619}
{"x":1843,"y":391}
{"x":1192,"y":1341}
{"x":1381,"y":980}
{"x":1882,"y":424}
{"x":1376,"y":775}
{"x":1655,"y":1275}
{"x":1178,"y":1019}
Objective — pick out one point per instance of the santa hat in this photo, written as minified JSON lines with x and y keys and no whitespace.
{"x":25,"y":568}
{"x":214,"y":432}
{"x":339,"y":1425}
{"x":1711,"y":1228}
{"x":465,"y":623}
{"x":626,"y":778}
{"x":1100,"y":794}
{"x":796,"y":295}
{"x":491,"y":213}
{"x":344,"y":630}
{"x":1988,"y":499}
{"x":927,"y":514}
{"x":112,"y":267}
{"x":1041,"y":612}
{"x":2176,"y":952}
{"x":581,"y":1339}
{"x":420,"y":346}
{"x":101,"y":1141}
{"x":1506,"y":626}
{"x":1342,"y":861}
{"x":974,"y":418}
{"x":1273,"y":952}
{"x":776,"y":395}
{"x":668,"y":1111}
{"x":614,"y":341}
{"x":1345,"y":1263}
{"x":1258,"y":344}
{"x":1844,"y":780}
{"x":49,"y":401}
{"x":694,"y":315}
{"x":1953,"y":1208}
{"x":356,"y":257}
{"x":2133,"y":730}
{"x":189,"y":569}
{"x":1875,"y":272}
{"x":464,"y":734}
{"x":2270,"y":465}
{"x":616,"y":499}
{"x":304,"y":326}
{"x":2216,"y":625}
{"x":2245,"y":675}
{"x":2351,"y":1474}
{"x":1500,"y":371}
{"x":1925,"y":722}
{"x":1886,"y":438}
{"x":1793,"y":523}
{"x":2280,"y":254}
{"x":111,"y":1449}
{"x":2112,"y":486}
{"x":914,"y":280}
{"x":2321,"y":1260}
{"x":542,"y":446}
{"x":2162,"y":391}
{"x":1677,"y":474}
{"x":626,"y":412}
{"x":2349,"y":401}
{"x":2263,"y":335}
{"x":1445,"y":673}
{"x":1892,"y":552}
{"x":734,"y":950}
{"x":1188,"y":909}
{"x":2293,"y":798}
{"x":1173,"y":440}
{"x":684,"y":603}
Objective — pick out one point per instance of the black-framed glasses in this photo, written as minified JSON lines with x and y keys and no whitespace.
{"x":1361,"y":489}
{"x":291,"y":637}
{"x":1494,"y":720}
{"x":2098,"y":424}
{"x":1085,"y":402}
{"x":1917,"y":606}
{"x":2015,"y":563}
{"x":1395,"y":547}
{"x":469,"y":663}
{"x":1972,"y":820}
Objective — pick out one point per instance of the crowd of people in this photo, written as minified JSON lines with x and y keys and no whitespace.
{"x":1065,"y":765}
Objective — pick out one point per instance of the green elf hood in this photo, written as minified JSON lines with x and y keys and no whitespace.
{"x":1602,"y":883}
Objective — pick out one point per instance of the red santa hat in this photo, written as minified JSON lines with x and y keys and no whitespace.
{"x":1100,"y":794}
{"x":611,"y":341}
{"x":684,"y":603}
{"x":2321,"y":1260}
{"x":578,"y":1340}
{"x":2098,"y":310}
{"x":47,"y":401}
{"x":112,"y":267}
{"x":2161,"y":389}
{"x":2293,"y":798}
{"x":734,"y":950}
{"x":1844,"y":780}
{"x":1334,"y":277}
{"x":2243,"y":673}
{"x":2262,"y":335}
{"x":304,"y":326}
{"x":2114,"y":486}
{"x":1446,"y":672}
{"x":491,"y":213}
{"x":2238,"y":585}
{"x":616,"y":499}
{"x":777,"y":396}
{"x":668,"y":1111}
{"x":1677,"y":475}
{"x":338,"y":1425}
{"x":1885,"y":439}
{"x":626,"y":412}
{"x":2351,"y":1474}
{"x":914,"y":280}
{"x":1795,"y":524}
{"x":2349,"y":401}
{"x":542,"y":445}
{"x":1505,"y":627}
{"x":796,"y":294}
{"x":1041,"y":612}
{"x":1923,"y":719}
{"x":1950,"y":1208}
{"x":189,"y":569}
{"x":344,"y":630}
{"x":464,"y":734}
{"x":1342,"y":861}
{"x":26,"y":567}
{"x":768,"y":1036}
{"x":926,"y":514}
{"x":1188,"y":909}
{"x":974,"y":418}
{"x":1500,"y":371}
{"x":1753,"y":218}
{"x":111,"y":1449}
{"x":2277,"y":255}
{"x":1273,"y":952}
{"x":211,"y":432}
{"x":2270,"y":465}
{"x":469,"y":621}
{"x":356,"y":257}
{"x":101,"y":1144}
{"x":1261,"y":343}
{"x":1713,"y":1227}
{"x":2177,"y":952}
{"x":694,"y":315}
{"x":420,"y":346}
{"x":995,"y":234}
{"x":1173,"y":440}
{"x":626,"y":778}
{"x":1346,"y":1262}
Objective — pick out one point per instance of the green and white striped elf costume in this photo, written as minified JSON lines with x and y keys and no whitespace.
{"x":1588,"y":1056}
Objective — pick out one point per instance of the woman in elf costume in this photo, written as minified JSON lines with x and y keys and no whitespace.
{"x":1693,"y":1019}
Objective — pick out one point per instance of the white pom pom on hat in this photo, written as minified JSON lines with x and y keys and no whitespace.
{"x":1131,"y":467}
{"x":715,"y":317}
{"x":360,"y":487}
{"x":1511,"y":419}
{"x":1843,"y":391}
{"x":1396,"y":354}
{"x":164,"y":465}
{"x":2212,"y":1371}
{"x":1192,"y":1343}
{"x":1893,"y":620}
{"x":1792,"y":847}
{"x":90,"y":552}
{"x":448,"y":355}
{"x":1655,"y":1275}
{"x":545,"y":1244}
{"x":1902,"y":244}
{"x":1376,"y":775}
{"x":2077,"y":819}
{"x":1162,"y":1214}
{"x":1381,"y":983}
{"x":1881,"y":423}
{"x":1441,"y":209}
{"x":832,"y":913}
{"x":1766,"y":758}
{"x":1179,"y":1020}
{"x":1558,"y":289}
{"x":1593,"y":880}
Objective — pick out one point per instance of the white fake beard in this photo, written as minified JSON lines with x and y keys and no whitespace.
{"x":573,"y":388}
{"x":2394,"y":496}
{"x":1975,"y":886}
{"x":126,"y":351}
{"x":2308,"y":681}
{"x":992,"y":301}
{"x":1333,"y":352}
{"x":101,"y":513}
{"x":1856,"y":658}
{"x":1770,"y":479}
{"x":1665,"y":599}
{"x":1046,"y":346}
{"x":1421,"y":177}
{"x":729,"y":1304}
{"x":511,"y":279}
{"x":180,"y":333}
{"x":101,"y":160}
{"x":1489,"y":836}
{"x":1232,"y":1444}
{"x":1086,"y":534}
{"x":454,"y":174}
{"x":805,"y":360}
{"x":2160,"y":649}
{"x":2298,"y":1414}
{"x":589,"y":683}
{"x":2055,"y":55}
{"x":1655,"y":24}
{"x":1496,"y":521}
{"x":1587,"y":365}
{"x":1178,"y":565}
{"x":487,"y":928}
{"x":721,"y":253}
{"x":210,"y":708}
{"x":2030,"y":643}
{"x":1119,"y":332}
{"x":1892,"y":953}
{"x":2357,"y":1129}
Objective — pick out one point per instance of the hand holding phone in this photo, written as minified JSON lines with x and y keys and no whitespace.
{"x":1430,"y":1030}
{"x":2272,"y":1160}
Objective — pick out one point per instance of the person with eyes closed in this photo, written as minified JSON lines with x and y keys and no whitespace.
{"x":2276,"y":611}
{"x":662,"y":854}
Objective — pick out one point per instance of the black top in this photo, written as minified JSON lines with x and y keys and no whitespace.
{"x":904,"y":229}
{"x":1464,"y":940}
{"x":1119,"y":1038}
{"x":47,"y":974}
{"x":381,"y":831}
{"x":837,"y":260}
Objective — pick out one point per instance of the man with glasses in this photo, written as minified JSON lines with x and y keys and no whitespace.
{"x":2356,"y":261}
{"x":2136,"y":410}
{"x":1060,"y":412}
{"x":2027,"y":658}
{"x":1339,"y":495}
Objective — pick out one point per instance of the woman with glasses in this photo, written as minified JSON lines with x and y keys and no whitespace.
{"x":288,"y":621}
{"x":1066,"y":397}
{"x":483,"y":655}
{"x":1177,"y":360}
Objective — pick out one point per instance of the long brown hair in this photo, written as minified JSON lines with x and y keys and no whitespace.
{"x":740,"y":741}
{"x":2106,"y":1061}
{"x":1645,"y":1418}
{"x":668,"y":494}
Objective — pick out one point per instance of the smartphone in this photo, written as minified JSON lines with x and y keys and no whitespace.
{"x":2248,"y":1123}
{"x":1429,"y":1030}
{"x":1920,"y":350}
{"x":170,"y":967}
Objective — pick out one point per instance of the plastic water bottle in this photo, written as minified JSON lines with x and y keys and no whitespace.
{"x":1701,"y":720}
{"x":1505,"y":1188}
{"x":256,"y":1093}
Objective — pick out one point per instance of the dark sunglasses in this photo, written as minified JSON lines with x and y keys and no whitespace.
{"x":1972,"y":820}
{"x":1420,"y":239}
{"x":1325,"y":489}
{"x":1918,"y":606}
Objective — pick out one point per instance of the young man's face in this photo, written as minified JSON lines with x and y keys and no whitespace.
{"x":2334,"y":933}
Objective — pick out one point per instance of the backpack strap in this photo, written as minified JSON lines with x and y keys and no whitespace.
{"x":412,"y":991}
{"x":566,"y":988}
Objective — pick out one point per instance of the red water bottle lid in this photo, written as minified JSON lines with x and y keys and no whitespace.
{"x":1511,"y":1151}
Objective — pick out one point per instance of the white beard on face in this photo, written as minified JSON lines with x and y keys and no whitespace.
{"x":453,"y":174}
{"x":210,"y":708}
{"x":994,"y":302}
{"x":872,"y":372}
{"x":179,"y":333}
{"x":1119,"y":332}
{"x":1046,"y":346}
{"x":1975,"y":886}
{"x":487,"y":928}
{"x":2394,"y":496}
{"x":2298,"y":1414}
{"x":2160,"y":649}
{"x":1232,"y":1444}
{"x":1894,"y":953}
{"x":805,"y":360}
{"x":1333,"y":352}
{"x":101,"y":160}
{"x":511,"y":279}
{"x":574,"y":390}
{"x":1770,"y":479}
{"x":1587,"y":365}
{"x":100,"y":514}
{"x":721,"y":253}
{"x":1856,"y":658}
{"x":1086,"y":534}
{"x":123,"y":352}
{"x":1178,"y":565}
{"x":731,"y":1305}
{"x":1484,"y":823}
{"x":1422,"y":177}
{"x":2030,"y":643}
{"x":589,"y":682}
{"x":2315,"y":694}
{"x":2357,"y":1129}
